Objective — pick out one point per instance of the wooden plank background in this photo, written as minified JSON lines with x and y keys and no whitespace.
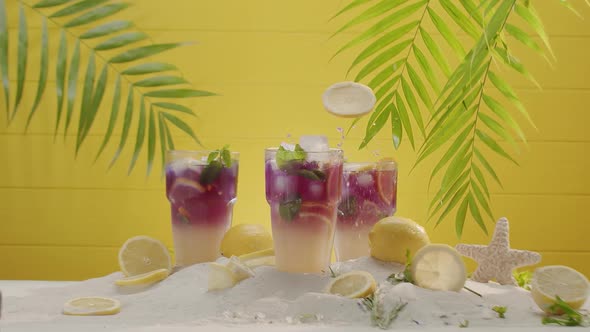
{"x":64,"y":218}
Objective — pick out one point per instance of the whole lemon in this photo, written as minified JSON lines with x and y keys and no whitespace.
{"x":245,"y":238}
{"x":391,"y":237}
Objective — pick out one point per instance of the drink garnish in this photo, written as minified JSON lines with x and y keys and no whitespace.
{"x":500,"y":310}
{"x":286,"y":158}
{"x":289,"y":209}
{"x":563,"y":314}
{"x":215,"y":162}
{"x":312,"y":174}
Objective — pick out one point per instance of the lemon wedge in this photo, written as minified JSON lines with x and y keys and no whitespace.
{"x":220,"y":277}
{"x":353,"y":284}
{"x":438,"y":267}
{"x":91,"y":306}
{"x":548,"y":282}
{"x":240,"y":270}
{"x":143,"y":254}
{"x":144,"y":278}
{"x":348,"y":99}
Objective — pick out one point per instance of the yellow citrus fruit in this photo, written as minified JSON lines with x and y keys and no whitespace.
{"x":143,"y":254}
{"x":548,"y":282}
{"x":240,"y":270}
{"x":392,"y":237}
{"x":144,"y":279}
{"x":221,"y":277}
{"x":353,"y":284}
{"x":438,"y":267}
{"x":244,"y":239}
{"x":258,"y":254}
{"x":91,"y":306}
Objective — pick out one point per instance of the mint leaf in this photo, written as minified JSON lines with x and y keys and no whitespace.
{"x":314,"y":174}
{"x":212,"y":156}
{"x":226,"y":156}
{"x":500,"y":311}
{"x":289,"y":209}
{"x":285,"y":158}
{"x":210,"y":172}
{"x":564,"y":315}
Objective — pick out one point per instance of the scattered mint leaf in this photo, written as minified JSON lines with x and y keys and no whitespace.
{"x":500,"y":310}
{"x":285,"y":158}
{"x":314,"y":174}
{"x":210,"y":172}
{"x":290,"y":208}
{"x":406,"y":274}
{"x":563,"y":314}
{"x":464,"y":324}
{"x":523,"y":279}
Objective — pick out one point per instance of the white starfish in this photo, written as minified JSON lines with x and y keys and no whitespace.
{"x":497,"y":260}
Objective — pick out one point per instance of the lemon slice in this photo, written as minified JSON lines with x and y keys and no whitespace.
{"x":220,"y":277}
{"x":558,"y":280}
{"x":91,"y":306}
{"x":353,"y":284}
{"x":144,"y":279}
{"x":240,"y":270}
{"x":348,"y":99}
{"x":257,"y":254}
{"x":143,"y":254}
{"x":256,"y":262}
{"x":438,"y":267}
{"x":391,"y":237}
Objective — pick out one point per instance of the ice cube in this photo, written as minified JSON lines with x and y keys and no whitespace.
{"x":365,"y":179}
{"x":314,"y":143}
{"x":287,"y":146}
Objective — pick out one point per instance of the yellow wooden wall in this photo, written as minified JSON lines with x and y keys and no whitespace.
{"x":64,"y":218}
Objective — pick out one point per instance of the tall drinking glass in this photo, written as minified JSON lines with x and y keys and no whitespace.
{"x":201,"y":195}
{"x":369,"y":193}
{"x":303,"y":196}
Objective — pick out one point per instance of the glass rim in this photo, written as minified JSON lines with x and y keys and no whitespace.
{"x":331,"y":150}
{"x":175,"y":152}
{"x":362,"y":164}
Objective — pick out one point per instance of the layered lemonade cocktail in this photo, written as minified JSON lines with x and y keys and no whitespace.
{"x":201,"y":187}
{"x":369,"y":194}
{"x":303,"y":189}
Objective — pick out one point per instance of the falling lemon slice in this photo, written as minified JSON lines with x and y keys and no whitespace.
{"x":143,"y":254}
{"x":144,"y":279}
{"x":91,"y":306}
{"x":548,"y":282}
{"x":438,"y":267}
{"x":353,"y":284}
{"x":348,"y":99}
{"x":220,"y":277}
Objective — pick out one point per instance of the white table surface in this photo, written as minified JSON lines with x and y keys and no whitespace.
{"x":21,"y":288}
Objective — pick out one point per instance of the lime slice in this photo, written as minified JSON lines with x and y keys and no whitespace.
{"x":144,"y":279}
{"x":438,"y":267}
{"x":91,"y":306}
{"x":348,"y":99}
{"x":353,"y":284}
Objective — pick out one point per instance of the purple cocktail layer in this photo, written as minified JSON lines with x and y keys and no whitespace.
{"x":196,"y":198}
{"x":308,"y":181}
{"x":367,"y":196}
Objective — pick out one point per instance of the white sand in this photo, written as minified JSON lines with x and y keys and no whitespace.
{"x":270,"y":300}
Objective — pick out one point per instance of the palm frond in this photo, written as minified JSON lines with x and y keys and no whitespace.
{"x":97,"y":75}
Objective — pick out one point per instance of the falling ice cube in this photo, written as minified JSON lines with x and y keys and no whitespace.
{"x":314,"y":143}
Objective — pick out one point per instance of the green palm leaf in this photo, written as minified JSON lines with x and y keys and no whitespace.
{"x":60,"y":77}
{"x":78,"y":7}
{"x":126,"y":125}
{"x":426,"y":69}
{"x":151,"y":140}
{"x":436,"y":52}
{"x":382,"y":58}
{"x":176,"y":121}
{"x":460,"y":18}
{"x":113,"y":117}
{"x":494,"y":146}
{"x":378,"y":120}
{"x":509,"y":93}
{"x":179,"y":93}
{"x":106,"y":29}
{"x":44,"y":68}
{"x":143,"y":52}
{"x":87,"y":92}
{"x":160,"y":81}
{"x":72,"y":85}
{"x":475,"y":213}
{"x":529,"y":15}
{"x":460,"y":218}
{"x":413,"y":104}
{"x":140,"y":135}
{"x":97,"y":14}
{"x":175,"y":107}
{"x":120,"y":40}
{"x":503,"y":114}
{"x":148,"y":68}
{"x":447,"y":34}
{"x":481,"y":199}
{"x":419,"y":86}
{"x":4,"y":56}
{"x":23,"y":45}
{"x":350,"y":6}
{"x":374,"y":11}
{"x":162,"y":132}
{"x":396,"y":126}
{"x":50,"y":3}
